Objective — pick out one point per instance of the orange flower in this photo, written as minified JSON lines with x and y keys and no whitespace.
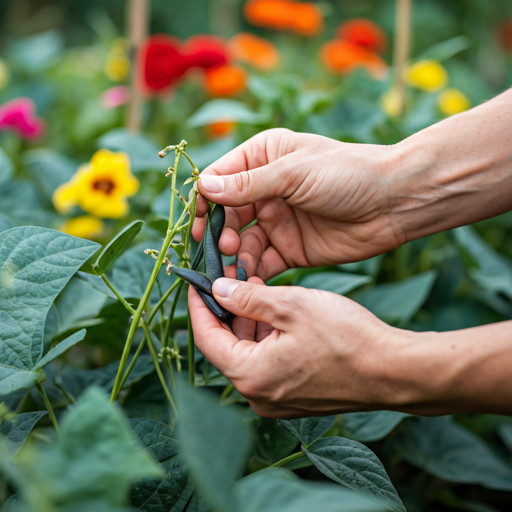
{"x":505,"y":35}
{"x":225,"y":80}
{"x":303,"y":18}
{"x":220,"y":129}
{"x":343,"y":57}
{"x":364,"y":33}
{"x":254,"y":50}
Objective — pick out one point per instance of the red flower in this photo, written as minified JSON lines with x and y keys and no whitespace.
{"x":205,"y":51}
{"x":161,"y":63}
{"x":19,"y":115}
{"x":505,"y":35}
{"x":364,"y":33}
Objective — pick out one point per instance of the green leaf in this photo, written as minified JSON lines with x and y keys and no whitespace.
{"x":38,"y":52}
{"x":336,"y":282}
{"x":96,"y":458}
{"x":6,"y":167}
{"x":451,"y":452}
{"x":273,"y":442}
{"x":354,"y":465}
{"x":494,"y":271}
{"x":308,"y":430}
{"x":61,"y":348}
{"x":277,"y":491}
{"x":216,"y":443}
{"x":117,"y":246}
{"x":505,"y":432}
{"x":5,"y":222}
{"x":16,"y":432}
{"x":446,"y":49}
{"x":398,"y":302}
{"x":21,"y":202}
{"x":143,"y":152}
{"x":173,"y":493}
{"x":207,"y":154}
{"x":226,"y":110}
{"x":371,"y":426}
{"x":35,"y":265}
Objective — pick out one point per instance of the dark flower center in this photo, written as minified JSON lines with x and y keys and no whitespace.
{"x":104,"y":185}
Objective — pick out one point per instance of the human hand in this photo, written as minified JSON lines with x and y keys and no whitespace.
{"x":298,"y":352}
{"x":317,"y":201}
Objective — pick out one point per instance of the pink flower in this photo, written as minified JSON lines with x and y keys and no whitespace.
{"x":19,"y":115}
{"x":115,"y":97}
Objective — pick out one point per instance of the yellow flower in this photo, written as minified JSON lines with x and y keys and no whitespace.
{"x":99,"y":187}
{"x":4,"y":74}
{"x":427,"y":75}
{"x":83,"y":227}
{"x":390,"y":102}
{"x":452,"y":101}
{"x":117,"y":65}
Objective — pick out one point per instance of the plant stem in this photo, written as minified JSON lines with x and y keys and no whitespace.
{"x":132,"y":363}
{"x":160,"y":303}
{"x":284,"y":461}
{"x":168,"y":325}
{"x":49,"y":407}
{"x":117,"y":294}
{"x":401,"y":48}
{"x":227,"y":391}
{"x":191,"y":353}
{"x":158,"y":369}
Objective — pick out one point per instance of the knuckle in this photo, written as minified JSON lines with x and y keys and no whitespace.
{"x":242,"y":181}
{"x":247,"y":299}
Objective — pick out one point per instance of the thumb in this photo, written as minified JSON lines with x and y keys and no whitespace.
{"x":275,"y":305}
{"x":245,"y":187}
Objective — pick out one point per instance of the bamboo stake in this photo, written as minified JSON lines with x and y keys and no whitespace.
{"x":401,"y":48}
{"x":137,"y":33}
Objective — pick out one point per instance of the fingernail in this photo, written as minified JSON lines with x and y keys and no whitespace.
{"x":225,"y":287}
{"x":213,"y":184}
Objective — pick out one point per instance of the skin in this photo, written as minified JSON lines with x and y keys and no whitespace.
{"x":297,"y":352}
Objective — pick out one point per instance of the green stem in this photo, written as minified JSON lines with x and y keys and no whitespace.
{"x":284,"y":461}
{"x":168,"y":325}
{"x":191,"y":354}
{"x":173,"y":191}
{"x":49,"y":407}
{"x":168,"y":364}
{"x":132,"y":363}
{"x":160,"y":303}
{"x":227,"y":391}
{"x":154,"y":356}
{"x":190,"y":161}
{"x":117,"y":294}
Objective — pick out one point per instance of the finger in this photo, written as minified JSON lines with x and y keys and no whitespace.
{"x":275,"y":305}
{"x":212,"y":338}
{"x":229,"y":242}
{"x":253,"y":242}
{"x":271,"y":264}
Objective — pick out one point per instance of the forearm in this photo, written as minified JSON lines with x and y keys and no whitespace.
{"x":454,"y":173}
{"x":464,"y":371}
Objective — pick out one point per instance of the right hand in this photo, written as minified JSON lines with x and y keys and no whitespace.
{"x":317,"y":201}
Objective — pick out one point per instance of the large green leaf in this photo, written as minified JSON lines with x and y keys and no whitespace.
{"x":336,"y":282}
{"x":96,"y":458}
{"x":398,"y":302}
{"x":226,"y":110}
{"x":62,"y":347}
{"x":451,"y":452}
{"x":276,"y":490}
{"x":216,"y":443}
{"x":354,"y":465}
{"x":505,"y":432}
{"x":6,"y":167}
{"x":16,"y":432}
{"x":35,"y":265}
{"x":117,"y":246}
{"x":273,"y":442}
{"x":308,"y":430}
{"x":371,"y":426}
{"x":174,"y":492}
{"x":494,"y":271}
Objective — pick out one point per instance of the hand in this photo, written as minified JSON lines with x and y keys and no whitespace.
{"x":317,"y":201}
{"x":301,"y":353}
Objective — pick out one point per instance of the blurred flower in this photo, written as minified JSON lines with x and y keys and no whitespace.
{"x":220,"y":129}
{"x":365,"y":33}
{"x":301,"y":17}
{"x":226,"y":80}
{"x":452,"y":101}
{"x":390,"y":102}
{"x":117,"y":65}
{"x":343,"y":57}
{"x":99,"y":187}
{"x":115,"y":97}
{"x":4,"y":74}
{"x":161,"y":63}
{"x":254,"y":50}
{"x":428,"y":75}
{"x":83,"y":227}
{"x":19,"y":116}
{"x":205,"y":51}
{"x":505,"y":35}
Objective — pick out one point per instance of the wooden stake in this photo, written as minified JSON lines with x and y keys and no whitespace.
{"x":137,"y":33}
{"x":401,"y":48}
